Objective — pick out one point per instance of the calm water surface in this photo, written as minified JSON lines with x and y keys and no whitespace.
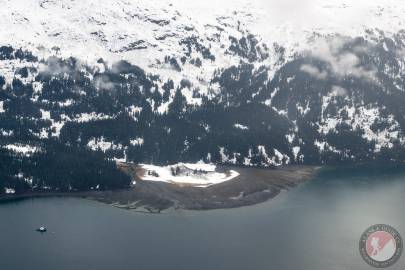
{"x":316,"y":226}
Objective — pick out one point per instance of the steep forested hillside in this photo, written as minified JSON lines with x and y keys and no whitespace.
{"x":84,"y":84}
{"x":64,"y":123}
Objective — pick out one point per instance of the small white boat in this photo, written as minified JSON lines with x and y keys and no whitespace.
{"x":41,"y":229}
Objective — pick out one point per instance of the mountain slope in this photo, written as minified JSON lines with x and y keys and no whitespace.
{"x":152,"y":82}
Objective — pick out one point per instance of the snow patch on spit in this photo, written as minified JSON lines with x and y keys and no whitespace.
{"x":199,"y":174}
{"x":9,"y":190}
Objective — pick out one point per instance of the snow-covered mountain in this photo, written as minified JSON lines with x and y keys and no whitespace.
{"x":144,"y":32}
{"x":255,"y":83}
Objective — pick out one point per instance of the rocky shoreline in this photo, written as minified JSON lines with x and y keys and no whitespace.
{"x":252,"y":186}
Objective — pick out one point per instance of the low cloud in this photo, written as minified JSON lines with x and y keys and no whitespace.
{"x":314,"y":72}
{"x":401,"y":53}
{"x":341,"y":63}
{"x":54,"y":66}
{"x":339,"y":91}
{"x":103,"y":83}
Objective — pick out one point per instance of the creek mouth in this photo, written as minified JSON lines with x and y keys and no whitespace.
{"x":251,"y":186}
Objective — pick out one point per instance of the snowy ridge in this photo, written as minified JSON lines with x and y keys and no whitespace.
{"x":144,"y":32}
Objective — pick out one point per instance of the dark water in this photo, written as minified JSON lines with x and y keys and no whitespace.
{"x":314,"y":227}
